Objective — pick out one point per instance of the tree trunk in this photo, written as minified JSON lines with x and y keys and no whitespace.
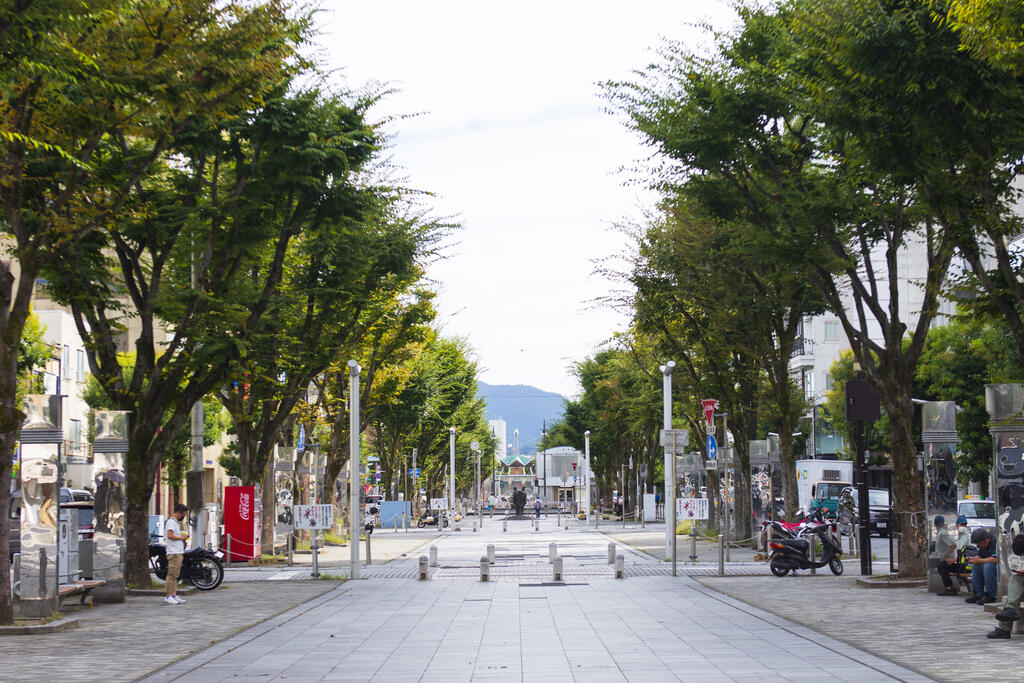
{"x":909,"y":501}
{"x":139,"y":478}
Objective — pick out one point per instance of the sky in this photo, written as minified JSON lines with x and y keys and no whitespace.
{"x":498,"y":113}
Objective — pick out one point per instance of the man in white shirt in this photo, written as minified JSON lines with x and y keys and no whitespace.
{"x":175,"y":544}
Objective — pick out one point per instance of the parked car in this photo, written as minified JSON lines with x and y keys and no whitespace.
{"x":980,"y":513}
{"x":80,"y":499}
{"x":848,"y":515}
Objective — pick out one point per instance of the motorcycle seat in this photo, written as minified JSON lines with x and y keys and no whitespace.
{"x":796,"y":543}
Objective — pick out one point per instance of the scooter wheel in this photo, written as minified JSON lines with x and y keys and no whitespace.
{"x":836,"y":565}
{"x":420,"y":525}
{"x":778,"y":569}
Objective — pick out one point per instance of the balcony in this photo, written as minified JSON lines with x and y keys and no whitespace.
{"x":802,"y":353}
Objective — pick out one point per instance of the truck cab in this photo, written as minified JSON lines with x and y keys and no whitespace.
{"x":980,"y":512}
{"x":826,"y":494}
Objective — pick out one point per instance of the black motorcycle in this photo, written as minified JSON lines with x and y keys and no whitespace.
{"x":200,"y":567}
{"x":432,"y":518}
{"x":791,"y":554}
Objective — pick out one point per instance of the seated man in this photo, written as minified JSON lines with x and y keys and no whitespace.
{"x":945,"y":555}
{"x":1014,"y":593}
{"x":983,"y":567}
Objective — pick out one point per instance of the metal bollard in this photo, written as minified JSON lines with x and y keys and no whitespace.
{"x":620,"y":567}
{"x":485,"y":569}
{"x":433,"y":556}
{"x":552,"y":552}
{"x":559,"y":516}
{"x":556,"y":569}
{"x":693,"y":544}
{"x":227,"y":560}
{"x":490,"y":553}
{"x":504,"y":525}
{"x":291,"y":549}
{"x":424,"y":572}
{"x":721,"y":555}
{"x":368,"y":548}
{"x":536,"y":525}
{"x":316,"y":558}
{"x":850,"y":541}
{"x":611,"y":553}
{"x":396,"y":524}
{"x":814,"y":544}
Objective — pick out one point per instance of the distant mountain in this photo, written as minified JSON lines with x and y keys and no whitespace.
{"x":524,"y":408}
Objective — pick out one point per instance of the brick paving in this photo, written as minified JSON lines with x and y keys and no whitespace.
{"x":939,"y":636}
{"x":526,"y":627}
{"x":122,"y":642}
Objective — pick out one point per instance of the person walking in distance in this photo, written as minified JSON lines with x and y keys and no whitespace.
{"x":175,"y":543}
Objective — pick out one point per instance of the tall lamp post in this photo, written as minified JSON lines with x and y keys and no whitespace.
{"x":451,"y":472}
{"x":586,"y":474}
{"x":670,"y":459}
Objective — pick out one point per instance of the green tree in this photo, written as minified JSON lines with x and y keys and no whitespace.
{"x":79,"y":80}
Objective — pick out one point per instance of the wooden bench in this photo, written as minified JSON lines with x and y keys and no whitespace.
{"x":81,"y":588}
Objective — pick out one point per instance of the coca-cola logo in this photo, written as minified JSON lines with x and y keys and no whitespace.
{"x":244,"y":506}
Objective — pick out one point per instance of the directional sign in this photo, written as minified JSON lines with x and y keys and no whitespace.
{"x":712,"y":447}
{"x":414,"y":471}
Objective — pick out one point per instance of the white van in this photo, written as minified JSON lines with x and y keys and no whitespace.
{"x":980,"y":513}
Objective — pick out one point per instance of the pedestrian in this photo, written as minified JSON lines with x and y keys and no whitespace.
{"x":536,"y":506}
{"x":983,"y":567}
{"x":175,"y":545}
{"x":1014,"y":592}
{"x":945,"y":556}
{"x":963,"y":534}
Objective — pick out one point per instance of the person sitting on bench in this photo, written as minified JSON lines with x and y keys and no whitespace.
{"x":983,"y":567}
{"x":1014,"y":592}
{"x":946,"y":559}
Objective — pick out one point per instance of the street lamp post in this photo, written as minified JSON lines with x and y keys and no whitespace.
{"x":451,"y":472}
{"x":354,"y":518}
{"x":586,"y":474}
{"x":670,"y":460}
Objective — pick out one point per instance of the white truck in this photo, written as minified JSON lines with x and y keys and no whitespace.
{"x":819,"y":482}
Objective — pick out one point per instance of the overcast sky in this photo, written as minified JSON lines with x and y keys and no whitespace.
{"x":512,"y":137}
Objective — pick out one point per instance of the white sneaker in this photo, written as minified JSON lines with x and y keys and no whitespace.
{"x":179,"y":600}
{"x":171,"y":600}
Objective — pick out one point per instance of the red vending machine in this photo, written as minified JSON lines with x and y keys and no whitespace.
{"x":242,"y":521}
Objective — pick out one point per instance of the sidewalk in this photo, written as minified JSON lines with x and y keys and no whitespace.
{"x":942,"y":637}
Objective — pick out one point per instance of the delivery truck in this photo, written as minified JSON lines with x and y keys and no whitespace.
{"x":819,"y":482}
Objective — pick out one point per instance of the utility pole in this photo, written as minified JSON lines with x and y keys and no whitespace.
{"x":586,"y":479}
{"x":451,"y":473}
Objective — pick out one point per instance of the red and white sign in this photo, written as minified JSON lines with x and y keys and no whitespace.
{"x":314,"y":516}
{"x":242,"y":521}
{"x":709,"y":405}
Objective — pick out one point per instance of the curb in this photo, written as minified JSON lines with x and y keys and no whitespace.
{"x":38,"y":629}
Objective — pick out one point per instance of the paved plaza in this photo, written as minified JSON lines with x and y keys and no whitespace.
{"x":523,"y":626}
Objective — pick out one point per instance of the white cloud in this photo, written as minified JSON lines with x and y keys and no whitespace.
{"x":514,"y":141}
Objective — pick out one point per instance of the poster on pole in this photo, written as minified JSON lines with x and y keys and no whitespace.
{"x":438,"y":503}
{"x":313,"y":516}
{"x":691,"y":508}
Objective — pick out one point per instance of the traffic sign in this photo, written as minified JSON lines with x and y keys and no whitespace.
{"x":709,"y":405}
{"x":414,"y":471}
{"x":712,"y":446}
{"x":675,"y":440}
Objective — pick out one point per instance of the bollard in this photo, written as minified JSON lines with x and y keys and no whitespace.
{"x":597,"y":518}
{"x":611,"y":553}
{"x":228,"y":558}
{"x":504,"y":525}
{"x":693,"y":544}
{"x":490,"y":553}
{"x":396,"y":523}
{"x":316,"y":558}
{"x":291,"y":548}
{"x":556,"y":569}
{"x":856,"y":539}
{"x":368,"y":534}
{"x":433,"y":556}
{"x":814,"y":543}
{"x":536,"y":525}
{"x":552,"y":552}
{"x":485,"y":569}
{"x":721,"y":555}
{"x":566,"y":526}
{"x":424,"y":572}
{"x":620,"y":567}
{"x":849,"y":540}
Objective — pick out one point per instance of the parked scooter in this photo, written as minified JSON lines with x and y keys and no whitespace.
{"x":791,"y":554}
{"x":433,"y":518}
{"x":796,"y":529}
{"x":200,"y":567}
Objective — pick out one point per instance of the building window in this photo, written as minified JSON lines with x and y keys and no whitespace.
{"x":832,"y":330}
{"x":80,"y":364}
{"x":829,"y":382}
{"x":74,"y":431}
{"x":65,"y":362}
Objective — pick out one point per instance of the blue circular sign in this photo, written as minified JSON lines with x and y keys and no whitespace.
{"x":712,"y":447}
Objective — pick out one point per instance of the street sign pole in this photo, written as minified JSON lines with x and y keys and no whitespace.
{"x":674,"y":449}
{"x":354,"y":518}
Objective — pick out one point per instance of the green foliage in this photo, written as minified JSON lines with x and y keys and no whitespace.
{"x":231,"y":463}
